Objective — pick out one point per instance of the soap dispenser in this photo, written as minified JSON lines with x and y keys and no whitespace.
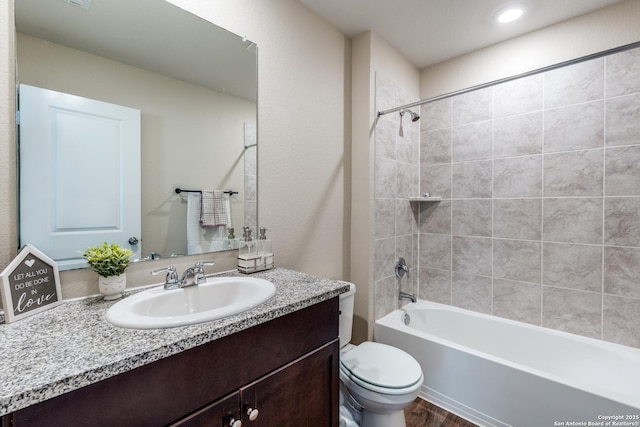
{"x":248,"y":259}
{"x":265,"y":249}
{"x":232,"y":242}
{"x":255,"y":255}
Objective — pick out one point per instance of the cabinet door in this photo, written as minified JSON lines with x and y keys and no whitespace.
{"x":218,"y":414}
{"x":304,"y":393}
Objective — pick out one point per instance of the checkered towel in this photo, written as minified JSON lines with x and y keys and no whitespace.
{"x":212,"y":208}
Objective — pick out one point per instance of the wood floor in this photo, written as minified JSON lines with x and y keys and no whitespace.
{"x":423,"y":414}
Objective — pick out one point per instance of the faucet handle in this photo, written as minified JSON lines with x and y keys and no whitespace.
{"x":201,"y":264}
{"x":401,"y":268}
{"x":199,"y":268}
{"x":172,"y":275}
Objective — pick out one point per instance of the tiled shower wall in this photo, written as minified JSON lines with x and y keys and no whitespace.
{"x":540,"y":217}
{"x":396,"y":178}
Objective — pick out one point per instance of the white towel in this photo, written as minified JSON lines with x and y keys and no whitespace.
{"x":213,"y":210}
{"x":204,"y":239}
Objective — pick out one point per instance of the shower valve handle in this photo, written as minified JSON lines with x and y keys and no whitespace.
{"x":401,"y":268}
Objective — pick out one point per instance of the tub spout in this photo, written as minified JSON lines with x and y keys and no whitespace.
{"x":406,"y":296}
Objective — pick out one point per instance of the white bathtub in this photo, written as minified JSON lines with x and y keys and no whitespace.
{"x":498,"y":372}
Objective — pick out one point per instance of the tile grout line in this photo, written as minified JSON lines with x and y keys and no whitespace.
{"x":451,"y":196}
{"x":493,"y":168}
{"x":542,"y":241}
{"x":604,"y":182}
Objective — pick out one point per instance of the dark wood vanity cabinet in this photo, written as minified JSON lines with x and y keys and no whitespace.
{"x":295,"y":395}
{"x":225,"y":412}
{"x":286,"y":369}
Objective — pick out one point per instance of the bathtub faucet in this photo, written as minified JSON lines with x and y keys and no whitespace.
{"x":406,"y":296}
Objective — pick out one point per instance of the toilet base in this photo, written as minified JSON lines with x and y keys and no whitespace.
{"x":352,"y":414}
{"x":394,"y":419}
{"x":350,"y":411}
{"x":350,"y":417}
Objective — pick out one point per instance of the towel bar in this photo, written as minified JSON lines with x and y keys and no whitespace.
{"x":178,"y":191}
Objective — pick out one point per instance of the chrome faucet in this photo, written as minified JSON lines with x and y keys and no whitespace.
{"x":407,"y":296}
{"x":192,"y":276}
{"x":189,"y":277}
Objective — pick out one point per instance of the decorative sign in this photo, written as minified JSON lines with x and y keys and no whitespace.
{"x":30,"y":284}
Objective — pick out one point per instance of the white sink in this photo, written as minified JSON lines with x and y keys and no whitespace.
{"x":216,"y":298}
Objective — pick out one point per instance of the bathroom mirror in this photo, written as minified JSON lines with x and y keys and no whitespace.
{"x":195,"y":85}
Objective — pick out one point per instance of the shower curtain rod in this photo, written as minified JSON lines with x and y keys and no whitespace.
{"x":510,"y":78}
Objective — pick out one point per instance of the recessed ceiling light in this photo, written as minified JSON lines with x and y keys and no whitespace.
{"x":511,"y":14}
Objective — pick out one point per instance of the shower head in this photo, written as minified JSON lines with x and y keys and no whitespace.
{"x":414,"y":116}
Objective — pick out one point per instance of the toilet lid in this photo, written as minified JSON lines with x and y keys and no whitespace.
{"x":382,"y":365}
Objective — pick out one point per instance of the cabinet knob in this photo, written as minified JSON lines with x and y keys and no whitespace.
{"x":252,"y":413}
{"x":235,"y":423}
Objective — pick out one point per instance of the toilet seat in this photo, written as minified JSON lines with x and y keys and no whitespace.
{"x":382,"y":368}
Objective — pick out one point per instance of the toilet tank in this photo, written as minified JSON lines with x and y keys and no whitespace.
{"x":346,"y":315}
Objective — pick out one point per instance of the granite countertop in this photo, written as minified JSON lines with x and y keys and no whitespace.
{"x":72,"y":345}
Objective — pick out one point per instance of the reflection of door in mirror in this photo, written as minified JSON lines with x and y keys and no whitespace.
{"x":80,"y":152}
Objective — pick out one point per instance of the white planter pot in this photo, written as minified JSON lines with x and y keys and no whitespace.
{"x":113,"y":286}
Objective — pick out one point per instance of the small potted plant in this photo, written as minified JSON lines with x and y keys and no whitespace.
{"x":110,"y":262}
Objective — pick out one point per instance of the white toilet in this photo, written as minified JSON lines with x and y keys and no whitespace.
{"x":377,"y":380}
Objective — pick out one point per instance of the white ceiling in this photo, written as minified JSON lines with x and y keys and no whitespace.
{"x":427,"y":32}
